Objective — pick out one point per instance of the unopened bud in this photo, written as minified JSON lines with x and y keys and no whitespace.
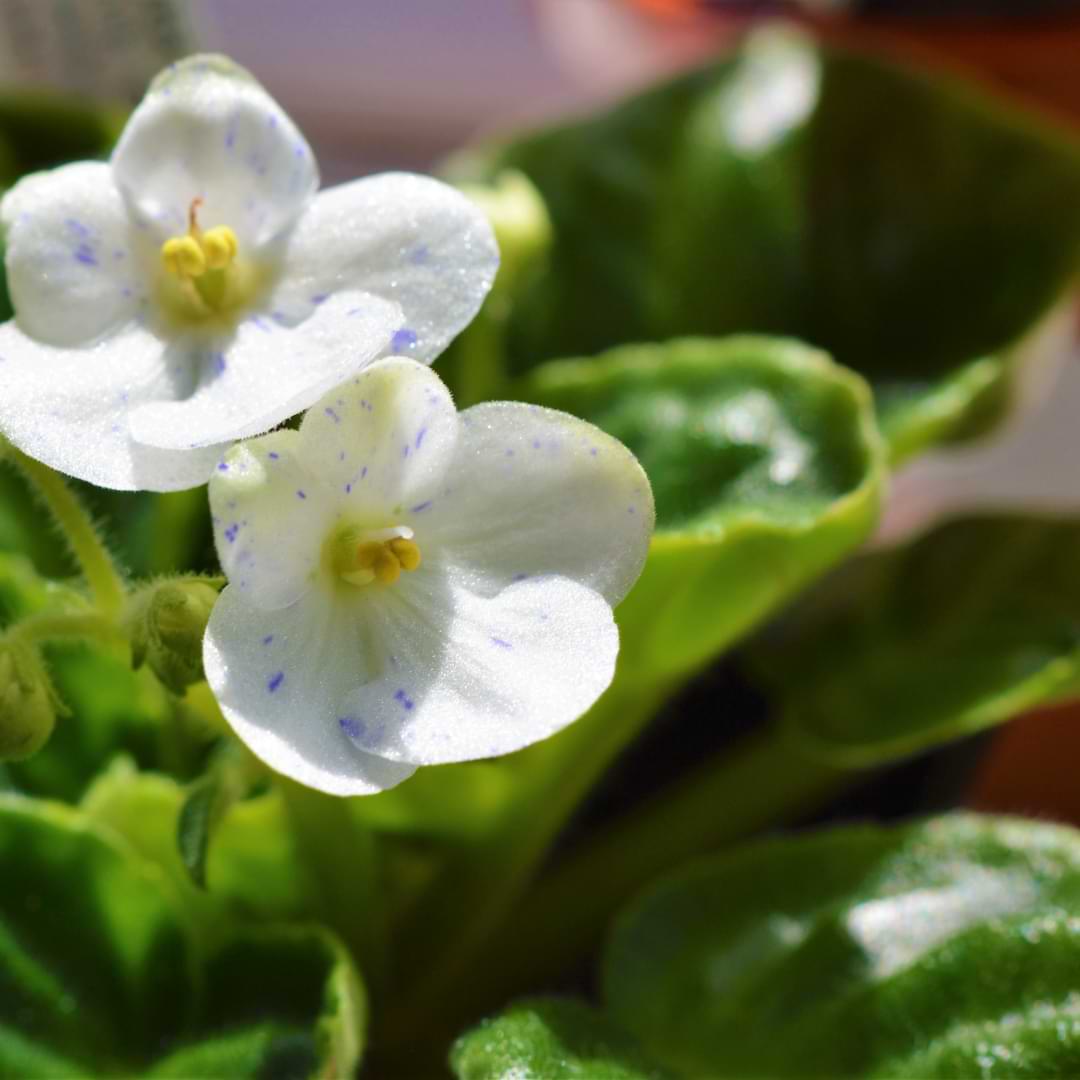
{"x":27,"y":712}
{"x":167,"y":624}
{"x":519,"y":216}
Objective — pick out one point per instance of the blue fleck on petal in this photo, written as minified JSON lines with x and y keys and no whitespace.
{"x":275,"y":681}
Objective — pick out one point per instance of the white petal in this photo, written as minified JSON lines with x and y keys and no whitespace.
{"x":409,"y":238}
{"x":271,"y":517}
{"x":385,"y":438}
{"x":70,"y":408}
{"x":206,"y":129}
{"x":466,"y":676}
{"x":73,"y":261}
{"x":278,"y":677}
{"x":534,"y":491}
{"x":268,"y":371}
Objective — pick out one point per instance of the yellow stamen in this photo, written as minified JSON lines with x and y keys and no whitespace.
{"x":197,"y":252}
{"x":366,"y":561}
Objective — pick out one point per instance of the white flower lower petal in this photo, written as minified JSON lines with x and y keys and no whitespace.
{"x":466,"y":676}
{"x":271,"y":517}
{"x":409,"y":238}
{"x":73,"y":270}
{"x":268,"y":372}
{"x":532,"y":491}
{"x":70,"y":408}
{"x":383,"y":439}
{"x":278,"y":677}
{"x":206,"y":129}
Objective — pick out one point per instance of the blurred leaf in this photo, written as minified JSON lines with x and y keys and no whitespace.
{"x":943,"y":949}
{"x":963,"y":629}
{"x":553,"y":1039}
{"x":100,"y":973}
{"x":766,"y":467}
{"x":910,"y":225}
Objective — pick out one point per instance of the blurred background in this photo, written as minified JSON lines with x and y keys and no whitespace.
{"x":400,"y":83}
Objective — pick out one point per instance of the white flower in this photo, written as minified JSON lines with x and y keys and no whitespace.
{"x":194,"y":290}
{"x":411,"y":587}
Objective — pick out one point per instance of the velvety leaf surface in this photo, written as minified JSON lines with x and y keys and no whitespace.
{"x":965,"y":628}
{"x":910,"y":225}
{"x":766,"y":467}
{"x":549,"y":1039}
{"x":942,"y":949}
{"x":103,"y":972}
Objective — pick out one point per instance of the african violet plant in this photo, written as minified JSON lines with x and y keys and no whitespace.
{"x":288,"y":769}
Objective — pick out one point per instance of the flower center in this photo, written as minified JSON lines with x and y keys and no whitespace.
{"x":203,"y":262}
{"x":374,"y":555}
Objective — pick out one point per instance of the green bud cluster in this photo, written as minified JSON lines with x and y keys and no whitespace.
{"x":166,"y":621}
{"x":27,"y":704}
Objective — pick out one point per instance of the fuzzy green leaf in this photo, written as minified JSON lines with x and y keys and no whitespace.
{"x":942,"y":949}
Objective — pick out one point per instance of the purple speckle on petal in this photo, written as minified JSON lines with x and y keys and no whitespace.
{"x":419,"y":508}
{"x":219,"y":362}
{"x":223,"y":466}
{"x":501,"y":643}
{"x":231,"y":533}
{"x":320,"y":298}
{"x":273,"y":455}
{"x":404,"y":700}
{"x":300,"y":493}
{"x":536,"y":444}
{"x":268,"y":639}
{"x":403,"y":339}
{"x":275,"y":681}
{"x":352,"y":727}
{"x":348,"y":489}
{"x":84,"y":254}
{"x":519,"y":577}
{"x":333,"y":415}
{"x":363,"y":472}
{"x":420,"y":437}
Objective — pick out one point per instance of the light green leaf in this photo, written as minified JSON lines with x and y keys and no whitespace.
{"x":766,"y":466}
{"x":967,"y":627}
{"x":913,"y":227}
{"x":102,"y":971}
{"x":552,"y":1039}
{"x":943,"y":949}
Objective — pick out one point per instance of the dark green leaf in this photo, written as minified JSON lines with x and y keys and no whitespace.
{"x":908,"y":224}
{"x":549,"y":1039}
{"x":965,"y":628}
{"x":104,"y":972}
{"x":944,"y":949}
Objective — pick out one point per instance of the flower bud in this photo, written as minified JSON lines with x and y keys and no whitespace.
{"x":522,"y":227}
{"x":27,"y":712}
{"x":167,"y":624}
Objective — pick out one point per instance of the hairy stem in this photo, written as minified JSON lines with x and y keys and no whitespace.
{"x":96,"y":564}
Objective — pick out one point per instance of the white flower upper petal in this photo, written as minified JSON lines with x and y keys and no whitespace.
{"x":532,"y":491}
{"x":384,"y":439}
{"x":73,"y":270}
{"x":70,"y":408}
{"x":206,"y":129}
{"x":268,"y":371}
{"x":465,"y":676}
{"x":278,"y":677}
{"x":270,"y":517}
{"x":409,"y":238}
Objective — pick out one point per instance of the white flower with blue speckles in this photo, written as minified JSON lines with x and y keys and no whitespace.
{"x":410,"y":586}
{"x":196,"y":290}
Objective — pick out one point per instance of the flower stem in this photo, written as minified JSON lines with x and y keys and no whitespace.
{"x":102,"y":577}
{"x":764,"y":782}
{"x":49,"y":627}
{"x":342,"y":860}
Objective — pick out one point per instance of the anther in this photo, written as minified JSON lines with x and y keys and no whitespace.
{"x":183,"y":257}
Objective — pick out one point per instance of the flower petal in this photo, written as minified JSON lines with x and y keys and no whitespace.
{"x":468,"y":676}
{"x":534,"y":491}
{"x":73,"y":262}
{"x":268,"y":372}
{"x":385,"y":438}
{"x":270,"y":517}
{"x":278,"y":677}
{"x":70,"y":409}
{"x":409,"y":238}
{"x":206,"y":129}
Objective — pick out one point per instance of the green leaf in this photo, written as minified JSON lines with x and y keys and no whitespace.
{"x":102,"y":971}
{"x":913,"y":227}
{"x":766,"y":467}
{"x":967,"y":627}
{"x":549,"y":1039}
{"x":942,"y":949}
